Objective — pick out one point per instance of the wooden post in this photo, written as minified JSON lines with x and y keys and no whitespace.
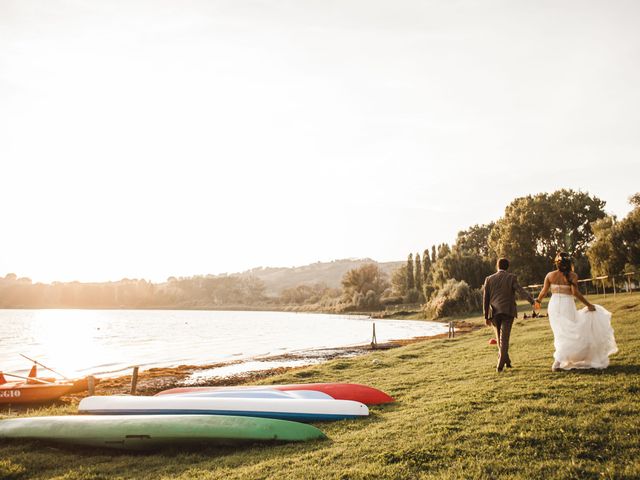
{"x":134,"y":380}
{"x":91,"y":385}
{"x":374,"y":340}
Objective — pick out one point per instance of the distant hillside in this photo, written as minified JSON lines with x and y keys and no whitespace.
{"x":200,"y":291}
{"x":330,"y":273}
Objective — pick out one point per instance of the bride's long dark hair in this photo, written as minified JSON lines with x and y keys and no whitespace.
{"x":565,"y":265}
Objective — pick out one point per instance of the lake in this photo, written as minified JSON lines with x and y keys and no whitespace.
{"x":108,"y":342}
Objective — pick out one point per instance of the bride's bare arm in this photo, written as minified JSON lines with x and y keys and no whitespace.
{"x":545,"y":289}
{"x":578,"y":295}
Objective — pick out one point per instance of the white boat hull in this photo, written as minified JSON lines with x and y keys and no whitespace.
{"x":297,"y":409}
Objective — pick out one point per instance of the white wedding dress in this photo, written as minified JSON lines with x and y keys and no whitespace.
{"x":582,"y":339}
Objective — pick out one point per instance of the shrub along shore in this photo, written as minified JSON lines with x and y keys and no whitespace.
{"x":454,"y":418}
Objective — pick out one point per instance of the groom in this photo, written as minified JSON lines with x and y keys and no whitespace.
{"x":499,"y":306}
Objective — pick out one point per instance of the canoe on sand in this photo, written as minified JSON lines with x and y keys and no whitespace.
{"x":139,"y":432}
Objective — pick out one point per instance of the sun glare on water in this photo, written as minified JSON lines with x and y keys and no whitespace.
{"x":66,"y":340}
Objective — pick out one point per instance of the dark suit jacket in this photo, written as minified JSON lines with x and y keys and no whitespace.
{"x":499,"y":294}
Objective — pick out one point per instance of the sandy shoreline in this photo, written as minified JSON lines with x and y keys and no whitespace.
{"x":154,"y":380}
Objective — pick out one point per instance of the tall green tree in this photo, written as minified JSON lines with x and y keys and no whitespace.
{"x":426,"y":268}
{"x":443,"y":250}
{"x":534,"y":228}
{"x":630,"y":233}
{"x":363,"y":286}
{"x":475,"y":241}
{"x":606,"y":253}
{"x":399,"y":281}
{"x":434,"y":255}
{"x":616,"y":246}
{"x":410,"y":276}
{"x":418,"y":273}
{"x":459,"y":265}
{"x":363,"y":279}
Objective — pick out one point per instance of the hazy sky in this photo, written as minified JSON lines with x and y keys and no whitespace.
{"x":154,"y":138}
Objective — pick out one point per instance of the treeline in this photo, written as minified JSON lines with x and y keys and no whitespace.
{"x":190,"y":292}
{"x":361,"y":290}
{"x":616,"y":244}
{"x":533,"y":229}
{"x":444,"y":278}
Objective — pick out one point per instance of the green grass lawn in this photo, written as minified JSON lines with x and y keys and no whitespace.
{"x":455,"y":417}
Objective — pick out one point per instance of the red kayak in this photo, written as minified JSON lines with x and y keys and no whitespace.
{"x":339,"y":391}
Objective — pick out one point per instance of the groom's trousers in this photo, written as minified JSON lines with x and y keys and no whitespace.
{"x":502,"y":324}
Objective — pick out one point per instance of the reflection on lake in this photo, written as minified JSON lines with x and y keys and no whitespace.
{"x":82,"y":342}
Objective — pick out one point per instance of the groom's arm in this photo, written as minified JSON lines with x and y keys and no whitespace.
{"x":523,"y":293}
{"x":486,"y":298}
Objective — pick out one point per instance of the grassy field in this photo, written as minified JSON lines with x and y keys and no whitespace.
{"x":455,"y":417}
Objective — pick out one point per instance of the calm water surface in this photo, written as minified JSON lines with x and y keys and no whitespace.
{"x":107,"y":342}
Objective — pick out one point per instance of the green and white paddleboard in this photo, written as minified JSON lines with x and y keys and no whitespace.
{"x":139,"y":432}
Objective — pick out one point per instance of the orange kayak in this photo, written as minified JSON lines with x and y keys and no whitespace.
{"x":23,"y":392}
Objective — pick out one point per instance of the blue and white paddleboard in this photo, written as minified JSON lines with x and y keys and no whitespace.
{"x":297,"y":409}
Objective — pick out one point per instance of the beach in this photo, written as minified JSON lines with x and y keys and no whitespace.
{"x":108,"y":343}
{"x":154,"y":380}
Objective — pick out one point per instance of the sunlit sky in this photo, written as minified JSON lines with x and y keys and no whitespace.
{"x":145,"y":139}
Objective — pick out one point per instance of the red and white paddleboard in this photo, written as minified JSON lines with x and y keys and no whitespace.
{"x":338,"y":391}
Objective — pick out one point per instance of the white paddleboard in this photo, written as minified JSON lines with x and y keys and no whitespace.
{"x":297,"y":409}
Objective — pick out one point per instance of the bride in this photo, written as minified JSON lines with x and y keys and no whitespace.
{"x":582,"y":338}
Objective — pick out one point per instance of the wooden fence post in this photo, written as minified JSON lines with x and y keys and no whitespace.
{"x":134,"y":380}
{"x":374,"y":340}
{"x":91,"y":385}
